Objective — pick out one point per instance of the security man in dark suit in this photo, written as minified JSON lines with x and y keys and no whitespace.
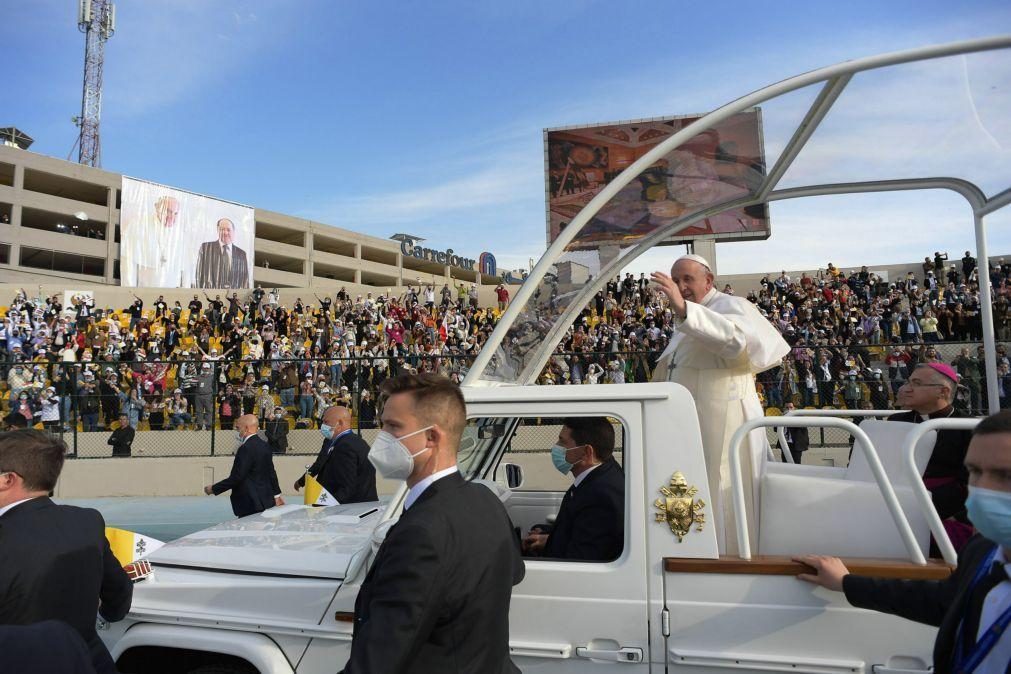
{"x":591,"y":520}
{"x":437,"y":596}
{"x":55,"y":562}
{"x":122,"y":438}
{"x":253,"y":480}
{"x":342,"y":466}
{"x":972,"y":607}
{"x":220,"y":263}
{"x":797,"y":439}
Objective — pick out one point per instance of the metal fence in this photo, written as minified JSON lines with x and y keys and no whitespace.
{"x":188,"y":407}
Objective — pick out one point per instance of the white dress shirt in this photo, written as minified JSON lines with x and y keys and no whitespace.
{"x":582,"y":476}
{"x":417,"y":490}
{"x":3,"y":511}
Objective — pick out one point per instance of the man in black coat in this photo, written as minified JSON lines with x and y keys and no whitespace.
{"x":591,"y":520}
{"x":277,"y":431}
{"x":342,"y":466}
{"x":797,"y":439}
{"x":55,"y":562}
{"x":253,"y":480}
{"x":437,"y":596}
{"x":122,"y":438}
{"x":969,"y":603}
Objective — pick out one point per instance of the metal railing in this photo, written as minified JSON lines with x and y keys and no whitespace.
{"x":873,"y":461}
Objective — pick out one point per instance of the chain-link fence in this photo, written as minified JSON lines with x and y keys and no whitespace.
{"x":188,"y":407}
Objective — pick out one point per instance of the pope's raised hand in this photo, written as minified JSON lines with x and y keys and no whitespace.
{"x":671,"y":290}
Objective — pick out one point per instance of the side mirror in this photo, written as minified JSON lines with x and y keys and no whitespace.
{"x":514,"y":475}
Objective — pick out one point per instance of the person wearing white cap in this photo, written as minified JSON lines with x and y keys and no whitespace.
{"x":720,"y":342}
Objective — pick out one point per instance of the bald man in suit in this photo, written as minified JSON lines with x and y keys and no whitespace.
{"x":222,"y":264}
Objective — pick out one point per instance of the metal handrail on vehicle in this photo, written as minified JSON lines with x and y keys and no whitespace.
{"x":884,"y":484}
{"x":781,"y":430}
{"x":920,"y":489}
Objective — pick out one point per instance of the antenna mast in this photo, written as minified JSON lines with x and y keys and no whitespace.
{"x":97,"y":20}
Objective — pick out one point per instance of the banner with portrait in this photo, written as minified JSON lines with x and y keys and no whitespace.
{"x":170,"y":238}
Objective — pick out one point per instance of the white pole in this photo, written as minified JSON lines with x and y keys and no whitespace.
{"x":986,"y":306}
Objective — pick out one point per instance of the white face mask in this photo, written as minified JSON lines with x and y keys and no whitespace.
{"x":391,"y":458}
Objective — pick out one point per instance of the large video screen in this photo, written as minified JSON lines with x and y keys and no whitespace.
{"x":718,"y":164}
{"x":175,"y":239}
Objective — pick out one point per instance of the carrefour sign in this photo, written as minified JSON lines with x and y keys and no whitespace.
{"x":486,"y":263}
{"x":438,"y":256}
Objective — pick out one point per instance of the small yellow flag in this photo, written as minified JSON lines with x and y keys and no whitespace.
{"x":315,"y":494}
{"x":128,"y":547}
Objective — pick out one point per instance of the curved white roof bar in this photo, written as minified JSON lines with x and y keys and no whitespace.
{"x":835,"y":79}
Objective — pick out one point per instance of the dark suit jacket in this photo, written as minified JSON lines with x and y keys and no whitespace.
{"x":253,"y":480}
{"x":213,"y":270}
{"x":799,"y":441}
{"x":946,"y":461}
{"x":55,"y":563}
{"x":940,"y":603}
{"x":437,"y":596}
{"x":122,"y":440}
{"x":49,"y":646}
{"x":591,"y":521}
{"x":345,"y":471}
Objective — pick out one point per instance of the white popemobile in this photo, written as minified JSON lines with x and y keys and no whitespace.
{"x":275,"y":592}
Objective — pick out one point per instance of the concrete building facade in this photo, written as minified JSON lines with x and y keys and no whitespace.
{"x":59,"y":224}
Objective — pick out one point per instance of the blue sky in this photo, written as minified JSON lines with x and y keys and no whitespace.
{"x":426,"y":117}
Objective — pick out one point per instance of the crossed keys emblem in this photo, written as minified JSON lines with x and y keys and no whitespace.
{"x":679,"y":507}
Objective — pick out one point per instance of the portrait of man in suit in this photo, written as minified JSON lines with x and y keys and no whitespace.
{"x":55,"y":562}
{"x":590,"y":525}
{"x":253,"y":480}
{"x":220,"y":263}
{"x":342,"y":466}
{"x":436,"y":598}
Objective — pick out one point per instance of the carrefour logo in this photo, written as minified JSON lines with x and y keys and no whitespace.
{"x":487,"y":264}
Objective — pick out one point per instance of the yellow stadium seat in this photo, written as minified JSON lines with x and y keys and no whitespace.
{"x":773,"y":412}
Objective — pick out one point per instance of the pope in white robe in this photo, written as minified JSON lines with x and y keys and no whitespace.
{"x":719,"y":344}
{"x":157,"y":247}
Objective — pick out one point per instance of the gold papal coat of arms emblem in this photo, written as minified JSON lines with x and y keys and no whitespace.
{"x":679,"y":508}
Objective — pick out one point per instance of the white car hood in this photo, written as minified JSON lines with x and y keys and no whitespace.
{"x":289,"y":540}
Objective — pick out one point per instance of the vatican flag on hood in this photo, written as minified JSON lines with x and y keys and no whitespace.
{"x":128,"y":547}
{"x":315,"y":494}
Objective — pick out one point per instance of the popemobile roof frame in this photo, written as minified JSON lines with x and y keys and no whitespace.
{"x":497,"y":365}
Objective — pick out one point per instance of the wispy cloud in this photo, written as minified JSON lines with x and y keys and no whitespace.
{"x":165,"y":52}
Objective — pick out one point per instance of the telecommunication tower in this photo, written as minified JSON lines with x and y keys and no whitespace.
{"x":97,"y":20}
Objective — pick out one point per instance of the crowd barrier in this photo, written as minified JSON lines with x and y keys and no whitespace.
{"x":83,"y":409}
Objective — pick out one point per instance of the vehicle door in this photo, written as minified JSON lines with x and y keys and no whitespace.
{"x":567,"y":614}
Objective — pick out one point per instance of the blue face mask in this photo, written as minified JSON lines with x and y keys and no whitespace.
{"x":558,"y":458}
{"x":327,"y":431}
{"x":990,"y":513}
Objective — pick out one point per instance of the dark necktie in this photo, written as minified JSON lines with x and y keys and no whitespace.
{"x":970,"y":625}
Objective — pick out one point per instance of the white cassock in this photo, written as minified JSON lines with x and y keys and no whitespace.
{"x":159,"y":252}
{"x":715,"y":353}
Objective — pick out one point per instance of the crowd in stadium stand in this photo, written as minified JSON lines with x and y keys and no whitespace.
{"x":855,"y":336}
